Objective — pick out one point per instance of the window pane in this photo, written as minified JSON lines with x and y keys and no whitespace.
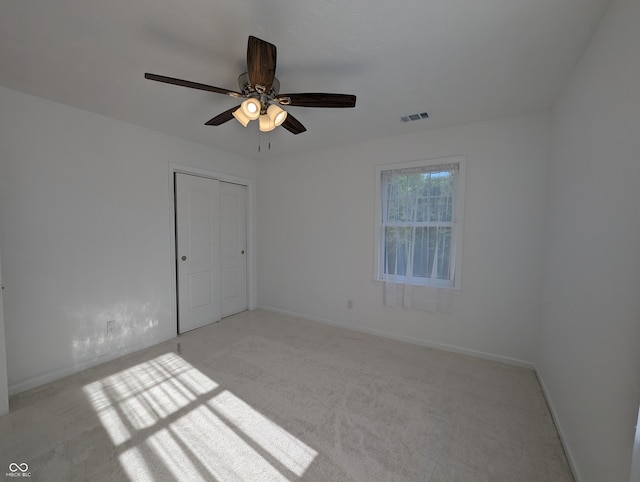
{"x":418,"y":220}
{"x":401,"y":198}
{"x":432,"y":242}
{"x":419,"y":197}
{"x":422,"y":210}
{"x":444,"y":253}
{"x":396,"y":250}
{"x":423,"y":251}
{"x":441,"y":196}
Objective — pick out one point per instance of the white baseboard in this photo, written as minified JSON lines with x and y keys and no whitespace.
{"x":53,"y":376}
{"x":416,"y":341}
{"x":554,"y":415}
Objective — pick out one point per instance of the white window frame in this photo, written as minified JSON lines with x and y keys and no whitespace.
{"x":458,"y":220}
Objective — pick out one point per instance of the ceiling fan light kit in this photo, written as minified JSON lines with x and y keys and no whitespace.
{"x":241,"y":116}
{"x":260,"y":89}
{"x":265,"y":124}
{"x":251,"y":108}
{"x":276,"y":114}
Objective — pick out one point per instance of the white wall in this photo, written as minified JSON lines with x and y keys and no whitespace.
{"x":590,"y":357}
{"x":4,"y":389}
{"x":316,"y":228}
{"x":85,"y":234}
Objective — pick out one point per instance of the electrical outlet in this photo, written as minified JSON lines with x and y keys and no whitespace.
{"x":111,"y":326}
{"x":350,"y":304}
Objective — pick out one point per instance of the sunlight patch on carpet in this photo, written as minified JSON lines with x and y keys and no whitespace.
{"x":168,"y":419}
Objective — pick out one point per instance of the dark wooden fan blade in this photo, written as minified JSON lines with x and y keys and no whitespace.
{"x":317,"y":100}
{"x":191,"y":85}
{"x":293,"y":125}
{"x":261,"y":63}
{"x":226,"y":116}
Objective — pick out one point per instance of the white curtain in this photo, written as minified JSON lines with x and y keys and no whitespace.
{"x":418,"y":232}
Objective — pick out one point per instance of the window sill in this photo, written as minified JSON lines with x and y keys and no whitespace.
{"x":454,"y":290}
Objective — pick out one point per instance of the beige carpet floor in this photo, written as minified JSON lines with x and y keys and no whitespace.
{"x":260,"y":396}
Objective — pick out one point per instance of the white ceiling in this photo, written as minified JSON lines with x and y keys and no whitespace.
{"x":461,"y":60}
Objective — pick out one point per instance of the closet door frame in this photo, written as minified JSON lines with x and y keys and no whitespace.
{"x":251,"y":244}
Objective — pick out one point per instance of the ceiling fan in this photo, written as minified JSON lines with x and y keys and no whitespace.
{"x":261,"y":91}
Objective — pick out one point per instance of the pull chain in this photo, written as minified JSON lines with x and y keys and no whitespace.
{"x":260,"y":140}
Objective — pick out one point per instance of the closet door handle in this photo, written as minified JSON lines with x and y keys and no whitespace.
{"x":242,"y":252}
{"x":184,"y":258}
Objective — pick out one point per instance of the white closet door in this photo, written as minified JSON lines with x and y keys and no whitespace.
{"x":233,"y":230}
{"x":198,"y":251}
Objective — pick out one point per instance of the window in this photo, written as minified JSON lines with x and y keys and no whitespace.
{"x":419,"y":222}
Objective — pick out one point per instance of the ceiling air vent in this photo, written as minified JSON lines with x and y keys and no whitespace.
{"x":415,"y":117}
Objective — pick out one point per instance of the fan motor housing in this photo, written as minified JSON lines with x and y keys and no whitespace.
{"x":245,"y":86}
{"x":265,"y":98}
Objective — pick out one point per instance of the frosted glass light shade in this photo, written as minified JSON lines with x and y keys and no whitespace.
{"x":266,"y":124}
{"x":251,"y":108}
{"x":276,"y":114}
{"x":240,"y":116}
